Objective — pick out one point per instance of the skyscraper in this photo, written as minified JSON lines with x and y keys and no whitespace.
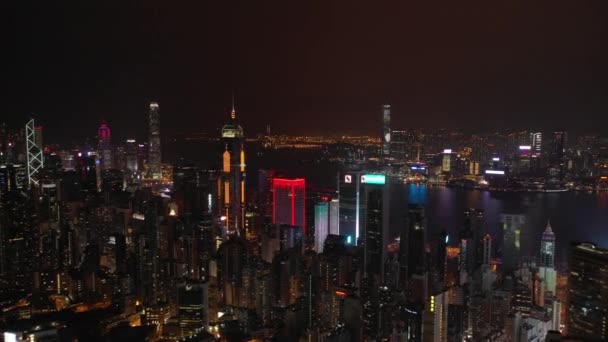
{"x":35,"y":158}
{"x":131,"y":155}
{"x":587,"y":314}
{"x":321,"y":225}
{"x":104,"y":147}
{"x":487,"y":250}
{"x":546,"y":271}
{"x":334,"y":217}
{"x":289,"y":197}
{"x":231,"y":187}
{"x":376,"y":228}
{"x":558,"y":149}
{"x":536,"y":140}
{"x":352,"y":206}
{"x":193,"y":307}
{"x":386,"y":130}
{"x":547,"y":248}
{"x":413,"y":259}
{"x":154,"y":148}
{"x":512,"y":226}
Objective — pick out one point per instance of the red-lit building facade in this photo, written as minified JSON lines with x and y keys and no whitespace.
{"x":289,"y":202}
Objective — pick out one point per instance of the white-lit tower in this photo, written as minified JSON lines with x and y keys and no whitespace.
{"x":35,"y":158}
{"x":154,"y":154}
{"x":386,"y":130}
{"x":232,"y":181}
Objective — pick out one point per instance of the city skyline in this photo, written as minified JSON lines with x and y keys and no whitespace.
{"x":380,"y":172}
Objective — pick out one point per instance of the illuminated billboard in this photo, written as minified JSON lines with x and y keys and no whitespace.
{"x":373,"y":179}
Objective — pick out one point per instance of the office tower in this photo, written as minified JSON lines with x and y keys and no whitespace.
{"x":131,"y":155}
{"x":35,"y":158}
{"x":437,"y":258}
{"x":547,"y":248}
{"x":587,"y":313}
{"x":446,"y":163}
{"x":192,"y":307}
{"x":473,"y":232}
{"x":289,"y":202}
{"x":231,"y":187}
{"x":413,"y":259}
{"x":265,"y":178}
{"x":285,"y":275}
{"x":154,"y":152}
{"x":352,"y":206}
{"x":536,"y":141}
{"x":231,"y":260}
{"x":86,"y":168}
{"x":321,"y":225}
{"x":487,"y":250}
{"x":512,"y":227}
{"x":290,"y":237}
{"x":104,"y":148}
{"x":470,"y":243}
{"x":386,"y":130}
{"x":558,"y":149}
{"x":435,"y":324}
{"x":334,"y":217}
{"x":546,"y":270}
{"x":405,"y":145}
{"x":376,"y":227}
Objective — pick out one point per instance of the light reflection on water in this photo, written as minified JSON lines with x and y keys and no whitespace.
{"x":575,"y":216}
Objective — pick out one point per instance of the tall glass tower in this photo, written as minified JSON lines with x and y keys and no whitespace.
{"x":154,"y":148}
{"x":386,"y":130}
{"x":35,"y":158}
{"x":547,"y":248}
{"x":232,"y":182}
{"x":104,"y":135}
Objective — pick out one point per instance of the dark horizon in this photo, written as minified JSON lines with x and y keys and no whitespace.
{"x":307,"y":68}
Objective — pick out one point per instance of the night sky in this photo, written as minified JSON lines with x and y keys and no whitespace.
{"x":311,"y":68}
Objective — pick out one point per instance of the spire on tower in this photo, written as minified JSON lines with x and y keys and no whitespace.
{"x":548,"y":229}
{"x":233,"y":112}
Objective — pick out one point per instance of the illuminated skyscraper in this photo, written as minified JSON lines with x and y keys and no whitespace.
{"x":512,"y":226}
{"x":131,"y":155}
{"x":386,"y":130}
{"x":288,"y":202}
{"x":587,"y":313}
{"x":104,"y":147}
{"x":536,"y":140}
{"x":558,"y":150}
{"x":352,"y":206}
{"x":547,"y":248}
{"x":334,"y":217}
{"x":35,"y":158}
{"x":193,"y":307}
{"x":546,"y":270}
{"x":154,"y":152}
{"x":446,"y":164}
{"x":231,"y":186}
{"x":321,"y":225}
{"x":376,"y":227}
